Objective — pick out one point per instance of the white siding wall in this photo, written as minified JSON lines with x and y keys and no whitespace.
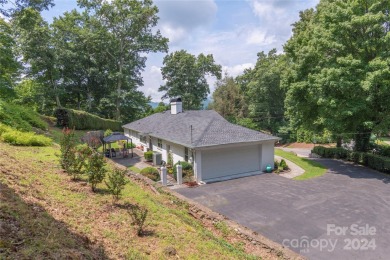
{"x":267,"y":157}
{"x":134,"y":137}
{"x":177,"y":150}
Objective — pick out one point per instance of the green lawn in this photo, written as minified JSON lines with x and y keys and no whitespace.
{"x":312,"y":169}
{"x":134,"y":169}
{"x":56,"y":134}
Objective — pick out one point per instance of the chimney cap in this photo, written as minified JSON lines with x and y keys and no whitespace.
{"x":176,"y":99}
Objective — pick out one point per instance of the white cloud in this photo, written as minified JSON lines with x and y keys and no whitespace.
{"x":260,"y":37}
{"x":277,"y":16}
{"x":237,"y":69}
{"x":198,"y":29}
{"x":155,"y":70}
{"x":178,"y":19}
{"x":152,"y":80}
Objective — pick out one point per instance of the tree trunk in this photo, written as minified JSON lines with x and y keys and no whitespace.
{"x":57,"y":98}
{"x":118,"y":90}
{"x":362,"y":140}
{"x":78,"y":101}
{"x":339,"y":141}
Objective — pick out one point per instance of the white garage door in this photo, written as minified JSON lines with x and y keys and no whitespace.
{"x":230,"y":162}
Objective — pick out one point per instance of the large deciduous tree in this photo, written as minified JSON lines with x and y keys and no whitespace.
{"x":8,"y":8}
{"x":128,"y":35}
{"x":80,"y":48}
{"x":263,"y":91}
{"x":340,"y":77}
{"x":185,"y":77}
{"x":9,"y":65}
{"x":39,"y":52}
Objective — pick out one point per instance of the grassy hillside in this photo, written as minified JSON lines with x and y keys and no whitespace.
{"x":21,"y":118}
{"x":46,"y":215}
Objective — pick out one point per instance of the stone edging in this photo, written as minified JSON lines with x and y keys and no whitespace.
{"x":201,"y":212}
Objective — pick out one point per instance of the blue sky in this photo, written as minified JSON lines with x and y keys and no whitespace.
{"x":234,"y":31}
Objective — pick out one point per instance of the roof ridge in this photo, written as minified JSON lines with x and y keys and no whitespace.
{"x":204,"y":131}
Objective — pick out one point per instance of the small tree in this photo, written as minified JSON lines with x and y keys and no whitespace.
{"x":283,"y":165}
{"x":67,"y":146}
{"x":170,"y":158}
{"x":138,"y":215}
{"x":78,"y":162}
{"x":116,"y":183}
{"x":95,"y":169}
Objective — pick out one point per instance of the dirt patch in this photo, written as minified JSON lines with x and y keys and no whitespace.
{"x":299,"y":145}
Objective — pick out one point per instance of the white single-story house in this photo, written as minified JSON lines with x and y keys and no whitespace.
{"x":218,"y":150}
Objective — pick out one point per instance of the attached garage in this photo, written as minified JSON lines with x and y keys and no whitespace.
{"x":234,"y":161}
{"x":224,"y":163}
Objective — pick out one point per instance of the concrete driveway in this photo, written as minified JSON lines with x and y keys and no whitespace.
{"x":344,"y":214}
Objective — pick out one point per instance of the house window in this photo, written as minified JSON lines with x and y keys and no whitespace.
{"x":159,"y":143}
{"x":186,"y":154}
{"x":142,"y":138}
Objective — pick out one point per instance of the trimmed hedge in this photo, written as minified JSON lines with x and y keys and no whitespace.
{"x":152,"y":173}
{"x":377,"y":162}
{"x":357,"y":157}
{"x":188,"y":172}
{"x":373,"y":161}
{"x":383,"y":150}
{"x":337,"y":153}
{"x":81,"y":120}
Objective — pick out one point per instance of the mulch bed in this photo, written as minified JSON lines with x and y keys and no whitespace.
{"x":191,"y":184}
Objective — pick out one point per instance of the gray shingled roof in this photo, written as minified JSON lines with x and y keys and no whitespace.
{"x":115,"y":137}
{"x":209,"y":129}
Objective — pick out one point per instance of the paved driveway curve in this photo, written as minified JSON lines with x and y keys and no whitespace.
{"x":350,"y":201}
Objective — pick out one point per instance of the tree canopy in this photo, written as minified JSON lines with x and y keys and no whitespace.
{"x":185,"y":77}
{"x":9,"y":65}
{"x":8,"y":8}
{"x":339,"y":81}
{"x":90,"y":59}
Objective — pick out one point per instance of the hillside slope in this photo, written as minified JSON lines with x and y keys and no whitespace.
{"x":46,"y":215}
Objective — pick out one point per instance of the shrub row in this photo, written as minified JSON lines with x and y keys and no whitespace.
{"x":337,"y":153}
{"x":23,"y":119}
{"x":81,"y":120}
{"x":15,"y":137}
{"x":373,"y":161}
{"x":383,"y":150}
